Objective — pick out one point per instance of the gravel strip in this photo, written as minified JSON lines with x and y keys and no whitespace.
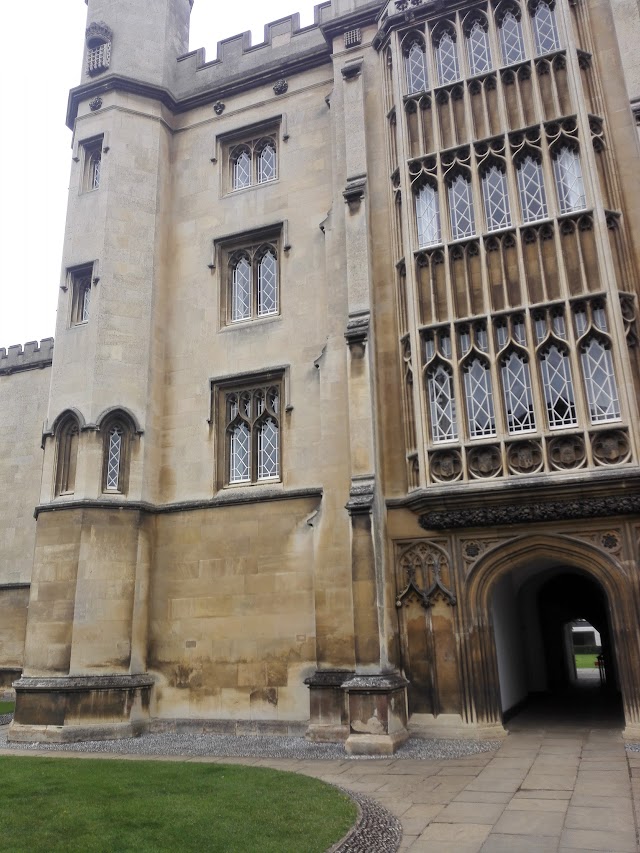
{"x":5,"y":719}
{"x":633,"y":747}
{"x":375,"y":831}
{"x":254,"y":746}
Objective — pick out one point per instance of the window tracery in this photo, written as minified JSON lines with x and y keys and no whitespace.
{"x":416,"y":65}
{"x":447,"y":58}
{"x":253,"y":161}
{"x":545,"y":28}
{"x":252,"y":429}
{"x":511,"y":37}
{"x":427,"y":216}
{"x":478,"y":48}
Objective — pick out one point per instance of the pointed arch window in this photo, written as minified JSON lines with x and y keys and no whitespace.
{"x":268,"y":284}
{"x":557,"y":382}
{"x":479,"y":398}
{"x":518,"y":398}
{"x":267,"y":163}
{"x":478,"y":48}
{"x":545,"y":28}
{"x":447,"y":59}
{"x":240,"y":289}
{"x":511,"y":39}
{"x":442,"y":404}
{"x":68,"y":437}
{"x":241,"y":168}
{"x":600,"y":380}
{"x":416,"y":67}
{"x":253,"y":434}
{"x":428,"y":216}
{"x":569,"y":184}
{"x":461,"y":208}
{"x":533,"y":200}
{"x":495,"y":195}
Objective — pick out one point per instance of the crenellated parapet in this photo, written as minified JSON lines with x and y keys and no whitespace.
{"x":32,"y":356}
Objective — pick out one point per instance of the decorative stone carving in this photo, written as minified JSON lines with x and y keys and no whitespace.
{"x":567,"y":452}
{"x":628,"y":310}
{"x":361,"y":496}
{"x":353,"y":38}
{"x":219,"y":108}
{"x":611,"y":540}
{"x":352,"y":71}
{"x":611,"y":447}
{"x":525,"y":457}
{"x":421,"y":567}
{"x":446,"y":465}
{"x":357,"y":332}
{"x":485,"y":462}
{"x":354,"y":192}
{"x":95,"y":104}
{"x":281,"y":87}
{"x":97,"y":33}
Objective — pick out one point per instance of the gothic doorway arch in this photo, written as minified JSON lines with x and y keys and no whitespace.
{"x":552,"y":566}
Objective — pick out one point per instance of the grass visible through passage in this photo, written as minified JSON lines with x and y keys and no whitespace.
{"x":586,"y":661}
{"x":6,"y":707}
{"x":95,"y":806}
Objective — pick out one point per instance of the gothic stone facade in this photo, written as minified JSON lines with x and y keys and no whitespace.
{"x":340,"y":428}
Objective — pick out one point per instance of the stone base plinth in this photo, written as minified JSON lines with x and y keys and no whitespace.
{"x":7,"y":676}
{"x":329,"y":713}
{"x":377,"y":713}
{"x":76,"y":708}
{"x":453,"y":726}
{"x":631,"y":732}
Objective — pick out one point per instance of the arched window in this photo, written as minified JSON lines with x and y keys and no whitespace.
{"x":238,"y":417}
{"x":479,"y":398}
{"x":478,"y":48}
{"x":427,"y":216}
{"x":518,"y":399}
{"x":268,"y":284}
{"x":496,"y":199}
{"x":442,"y":404}
{"x":533,"y":200}
{"x":117,"y":430}
{"x":241,"y":168}
{"x":68,"y":435}
{"x":267,"y":163}
{"x":599,"y":380}
{"x":555,"y":368}
{"x":569,"y":184}
{"x":511,"y":39}
{"x":416,"y":68}
{"x":253,"y":434}
{"x":461,"y":208}
{"x":545,"y":28}
{"x":447,"y":59}
{"x":240,"y":289}
{"x":267,"y":407}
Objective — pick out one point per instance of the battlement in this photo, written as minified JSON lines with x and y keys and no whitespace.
{"x":30,"y":357}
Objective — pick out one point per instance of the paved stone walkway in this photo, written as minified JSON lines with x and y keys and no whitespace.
{"x":547,"y":789}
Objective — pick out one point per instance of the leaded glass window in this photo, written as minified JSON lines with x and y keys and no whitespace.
{"x":496,"y":199}
{"x":442,"y":404}
{"x":67,"y":456}
{"x":428,"y":216}
{"x":267,"y":164}
{"x":531,"y":189}
{"x":241,"y":167}
{"x":416,"y":68}
{"x":447,"y":60}
{"x":253,"y":430}
{"x":95,"y":163}
{"x":478,"y":49}
{"x":241,"y":290}
{"x":268,"y":284}
{"x":555,"y":368}
{"x":268,"y":436}
{"x":569,"y":185}
{"x":479,"y":397}
{"x":518,"y":399}
{"x":461,"y":208}
{"x":511,"y":39}
{"x":85,"y":301}
{"x":81,"y":281}
{"x":254,"y":286}
{"x":600,"y":381}
{"x":545,"y":28}
{"x":114,"y":458}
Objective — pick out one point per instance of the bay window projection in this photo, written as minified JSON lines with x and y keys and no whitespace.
{"x":416,"y":68}
{"x":545,"y":28}
{"x":495,"y":195}
{"x":447,"y":60}
{"x":518,"y":398}
{"x":511,"y":39}
{"x":599,"y":380}
{"x":569,"y":185}
{"x":461,"y":208}
{"x":479,"y":399}
{"x":533,"y":202}
{"x":442,"y":404}
{"x":478,"y":48}
{"x":427,"y":216}
{"x":555,"y":368}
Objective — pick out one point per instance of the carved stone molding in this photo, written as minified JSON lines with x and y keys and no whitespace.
{"x":567,"y":452}
{"x":525,"y":457}
{"x":357,"y":332}
{"x":97,"y":33}
{"x":446,"y":465}
{"x":611,"y":447}
{"x":95,"y":104}
{"x":361,"y":496}
{"x":323,"y":678}
{"x":355,"y":190}
{"x":420,"y":568}
{"x":219,"y":108}
{"x":353,"y":70}
{"x":382,"y":683}
{"x":485,"y":461}
{"x":281,"y":87}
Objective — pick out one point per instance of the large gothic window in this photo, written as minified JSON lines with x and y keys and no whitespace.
{"x":569,"y":184}
{"x":496,"y":199}
{"x":442,"y":404}
{"x":253,"y":434}
{"x":511,"y":39}
{"x":461,"y":208}
{"x":518,"y":398}
{"x":545,"y":28}
{"x":555,"y":368}
{"x":600,"y":380}
{"x":479,"y":399}
{"x":427,"y":216}
{"x":447,"y":60}
{"x":533,"y":201}
{"x":416,"y":68}
{"x":478,"y":49}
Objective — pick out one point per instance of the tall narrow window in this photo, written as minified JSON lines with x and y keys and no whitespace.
{"x":241,"y":290}
{"x":253,"y":434}
{"x":533,"y":200}
{"x":518,"y":399}
{"x":600,"y":381}
{"x":496,"y":199}
{"x":67,"y":456}
{"x":80,"y":283}
{"x":268,"y":434}
{"x":545,"y":28}
{"x":241,"y":168}
{"x":479,"y":397}
{"x":569,"y":184}
{"x":511,"y":39}
{"x":267,"y":163}
{"x":442,"y":404}
{"x":416,"y":68}
{"x":428,"y":216}
{"x":478,"y":49}
{"x":92,"y":164}
{"x":114,"y":458}
{"x":447,"y":60}
{"x":267,"y":284}
{"x":558,"y":387}
{"x":461,"y":208}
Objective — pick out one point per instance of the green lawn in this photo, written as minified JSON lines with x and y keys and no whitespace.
{"x":6,"y":707}
{"x":586,"y":661}
{"x":112,"y":806}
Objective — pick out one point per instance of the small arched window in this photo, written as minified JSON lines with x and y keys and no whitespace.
{"x":240,"y":289}
{"x":518,"y":398}
{"x":600,"y":380}
{"x":114,"y":457}
{"x":241,"y":168}
{"x":427,"y":216}
{"x":555,"y":368}
{"x":511,"y":39}
{"x":533,"y":201}
{"x":267,"y":284}
{"x":478,"y":48}
{"x":416,"y":67}
{"x":545,"y":28}
{"x":68,"y":436}
{"x":442,"y":404}
{"x":461,"y":208}
{"x":267,"y":163}
{"x":447,"y":59}
{"x":117,"y":431}
{"x":496,"y":199}
{"x":569,"y":183}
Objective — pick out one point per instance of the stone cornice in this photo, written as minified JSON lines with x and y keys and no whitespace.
{"x":231,"y":498}
{"x":82,"y":683}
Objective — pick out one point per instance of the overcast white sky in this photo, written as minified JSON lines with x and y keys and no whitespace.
{"x":39,"y":62}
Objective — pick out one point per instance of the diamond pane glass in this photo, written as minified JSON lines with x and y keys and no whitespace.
{"x":428,"y":216}
{"x":600,"y":382}
{"x":478,"y":49}
{"x":94,"y":171}
{"x":241,"y":291}
{"x":518,"y":399}
{"x":496,"y":199}
{"x":461,"y":208}
{"x":477,"y":388}
{"x":242,"y":170}
{"x":442,"y":405}
{"x":268,"y":285}
{"x":240,"y":460}
{"x":558,"y":388}
{"x":268,"y":450}
{"x":114,"y":454}
{"x":85,"y":300}
{"x":569,"y":186}
{"x":531,"y":188}
{"x":511,"y":40}
{"x":267,"y":164}
{"x":416,"y":69}
{"x":447,"y":60}
{"x":545,"y":29}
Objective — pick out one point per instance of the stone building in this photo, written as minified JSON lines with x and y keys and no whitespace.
{"x":340,"y":429}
